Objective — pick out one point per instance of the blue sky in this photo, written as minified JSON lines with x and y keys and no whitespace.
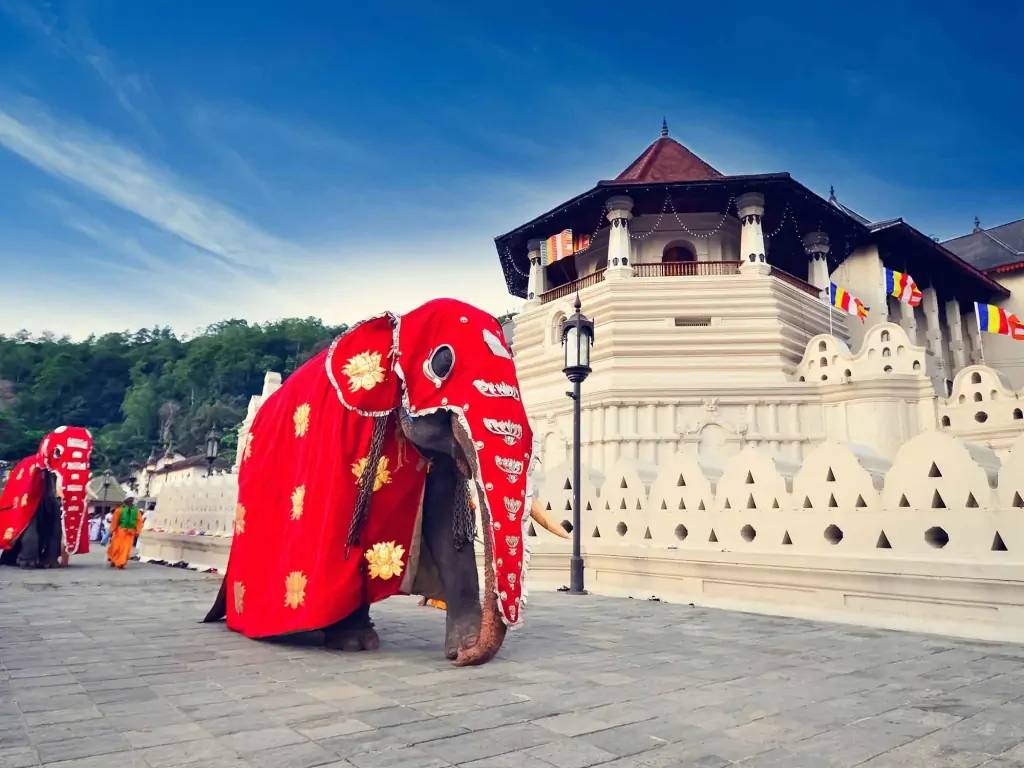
{"x":180,"y":163}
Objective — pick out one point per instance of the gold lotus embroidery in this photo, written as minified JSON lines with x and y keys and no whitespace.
{"x":8,"y":534}
{"x":295,"y":589}
{"x":24,"y":500}
{"x":381,"y":477}
{"x":21,"y":474}
{"x":247,"y":454}
{"x":301,"y":419}
{"x":364,"y":371}
{"x":239,"y":519}
{"x":385,"y":559}
{"x":239,"y":594}
{"x":298,"y":499}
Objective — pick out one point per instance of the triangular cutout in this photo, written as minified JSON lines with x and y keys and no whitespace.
{"x":664,"y":504}
{"x":830,"y":477}
{"x":713,"y":537}
{"x":622,"y":504}
{"x":807,"y":503}
{"x":937,"y":502}
{"x":682,"y":504}
{"x":647,"y":534}
{"x":883,"y":542}
{"x":727,"y":505}
{"x":680,"y":482}
{"x":638,"y":507}
{"x":596,"y":534}
{"x":751,"y":504}
{"x":997,"y":543}
{"x":568,"y":506}
{"x":1017,"y":500}
{"x":934,"y":471}
{"x":548,"y":506}
{"x":775,"y":503}
{"x":531,"y":531}
{"x":702,"y":508}
{"x":832,"y":501}
{"x":860,"y":502}
{"x":786,"y":539}
{"x":608,"y":506}
{"x":972,"y":503}
{"x":589,"y":508}
{"x":903,"y":501}
{"x":622,"y":483}
{"x":567,"y":486}
{"x":750,"y":478}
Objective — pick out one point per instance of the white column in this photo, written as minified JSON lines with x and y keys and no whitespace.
{"x":620,"y":211}
{"x":954,"y":322}
{"x":537,"y":284}
{"x":908,"y":321}
{"x":750,"y":207}
{"x":933,"y":332}
{"x":816,"y":246}
{"x":977,"y":349}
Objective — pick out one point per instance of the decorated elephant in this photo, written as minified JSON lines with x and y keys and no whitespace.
{"x":43,"y":505}
{"x":361,"y":477}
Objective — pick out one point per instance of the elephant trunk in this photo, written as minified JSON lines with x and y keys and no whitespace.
{"x":492,"y":628}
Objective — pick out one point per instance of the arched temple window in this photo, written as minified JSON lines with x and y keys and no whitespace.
{"x":678,"y":250}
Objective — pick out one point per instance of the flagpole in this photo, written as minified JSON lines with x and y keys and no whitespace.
{"x":981,"y":333}
{"x":828,"y":308}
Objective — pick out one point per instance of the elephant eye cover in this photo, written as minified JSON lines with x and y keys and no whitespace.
{"x":25,"y":486}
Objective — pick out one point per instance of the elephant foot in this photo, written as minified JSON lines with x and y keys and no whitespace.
{"x":356,"y":639}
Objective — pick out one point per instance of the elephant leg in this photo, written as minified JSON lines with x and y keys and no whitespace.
{"x":353,"y":633}
{"x":456,"y":567}
{"x":28,"y":554}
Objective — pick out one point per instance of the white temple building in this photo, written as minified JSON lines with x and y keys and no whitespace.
{"x":745,"y":445}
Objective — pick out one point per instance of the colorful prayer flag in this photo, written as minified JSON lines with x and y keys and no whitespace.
{"x":844,"y":300}
{"x":557,"y":247}
{"x":902,"y":286}
{"x":992,"y":319}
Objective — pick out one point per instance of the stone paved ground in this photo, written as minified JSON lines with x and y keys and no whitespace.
{"x":101,"y":668}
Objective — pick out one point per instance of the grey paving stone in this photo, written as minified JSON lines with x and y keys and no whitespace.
{"x":683,"y":687}
{"x":18,"y":757}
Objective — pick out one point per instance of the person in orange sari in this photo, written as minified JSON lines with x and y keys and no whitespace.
{"x":125,"y":526}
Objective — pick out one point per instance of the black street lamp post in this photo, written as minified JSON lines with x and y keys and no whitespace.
{"x":212,"y":449}
{"x":577,"y":338}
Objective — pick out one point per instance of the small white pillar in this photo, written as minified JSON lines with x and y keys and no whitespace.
{"x":816,"y":246}
{"x":620,"y":211}
{"x":954,"y":322}
{"x":977,"y":346}
{"x":933,"y":332}
{"x":908,"y":321}
{"x":750,"y":207}
{"x":537,"y":284}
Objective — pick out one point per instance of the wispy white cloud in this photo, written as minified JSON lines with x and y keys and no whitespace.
{"x":70,"y":35}
{"x":127,"y":180}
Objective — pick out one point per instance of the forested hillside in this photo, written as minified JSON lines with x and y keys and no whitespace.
{"x":135,"y":391}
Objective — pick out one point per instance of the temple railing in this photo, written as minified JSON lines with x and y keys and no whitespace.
{"x":796,"y":282}
{"x":675,"y":269}
{"x":572,"y":287}
{"x":687,"y":269}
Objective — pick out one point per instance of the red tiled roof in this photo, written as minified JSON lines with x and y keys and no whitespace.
{"x":1013,"y":266}
{"x":667,"y":160}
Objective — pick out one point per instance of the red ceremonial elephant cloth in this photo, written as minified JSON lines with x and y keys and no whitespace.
{"x":302,"y":557}
{"x":65,"y":451}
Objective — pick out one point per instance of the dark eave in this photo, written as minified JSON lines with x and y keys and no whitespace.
{"x":921,"y":249}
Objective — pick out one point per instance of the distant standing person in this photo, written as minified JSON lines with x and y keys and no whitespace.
{"x":108,"y":520}
{"x":126,"y":525}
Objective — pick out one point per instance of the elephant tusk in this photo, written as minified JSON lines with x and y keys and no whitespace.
{"x":541,"y":517}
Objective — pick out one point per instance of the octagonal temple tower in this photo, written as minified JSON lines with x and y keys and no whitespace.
{"x":714,"y":326}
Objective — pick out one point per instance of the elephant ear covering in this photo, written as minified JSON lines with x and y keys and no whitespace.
{"x":67,"y":451}
{"x":324,"y":443}
{"x":20,"y":497}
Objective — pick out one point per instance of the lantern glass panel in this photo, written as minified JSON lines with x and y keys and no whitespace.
{"x":572,"y":348}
